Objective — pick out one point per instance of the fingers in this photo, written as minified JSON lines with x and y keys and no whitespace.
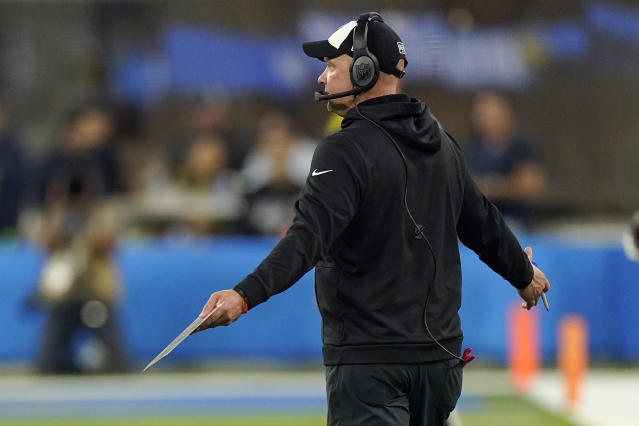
{"x":222,"y":308}
{"x":531,"y":297}
{"x":212,"y":320}
{"x":220,"y":317}
{"x":546,"y":283}
{"x":214,"y":300}
{"x":527,"y":305}
{"x":528,"y":251}
{"x":216,"y":317}
{"x":210,"y":304}
{"x":542,"y":281}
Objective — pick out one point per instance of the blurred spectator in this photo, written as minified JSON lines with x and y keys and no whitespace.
{"x":205,"y":164}
{"x":82,"y":167}
{"x":11,"y":177}
{"x":279,"y":153}
{"x":206,"y":173}
{"x":275,"y":171}
{"x":209,"y":114}
{"x":504,"y":164}
{"x":206,"y":197}
{"x":80,"y":284}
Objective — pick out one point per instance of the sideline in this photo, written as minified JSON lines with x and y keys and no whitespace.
{"x":189,"y":393}
{"x":610,"y":397}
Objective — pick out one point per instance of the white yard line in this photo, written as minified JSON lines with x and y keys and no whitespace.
{"x":608,"y":397}
{"x":284,"y":385}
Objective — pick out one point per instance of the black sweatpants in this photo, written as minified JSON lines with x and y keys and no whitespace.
{"x":392,"y":394}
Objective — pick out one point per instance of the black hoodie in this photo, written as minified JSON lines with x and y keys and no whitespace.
{"x":374,"y":273}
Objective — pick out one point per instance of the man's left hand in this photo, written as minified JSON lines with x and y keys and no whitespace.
{"x":538,"y":285}
{"x":230,"y":309}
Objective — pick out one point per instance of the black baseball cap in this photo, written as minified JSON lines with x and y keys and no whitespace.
{"x":382,"y":41}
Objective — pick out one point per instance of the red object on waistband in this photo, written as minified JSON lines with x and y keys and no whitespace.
{"x":467,"y":357}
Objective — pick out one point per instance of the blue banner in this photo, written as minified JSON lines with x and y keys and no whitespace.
{"x":167,"y":282}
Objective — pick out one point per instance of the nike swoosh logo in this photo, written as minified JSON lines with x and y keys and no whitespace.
{"x":316,"y":173}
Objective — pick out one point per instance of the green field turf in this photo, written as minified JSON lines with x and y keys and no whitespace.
{"x":509,"y":411}
{"x":489,"y":411}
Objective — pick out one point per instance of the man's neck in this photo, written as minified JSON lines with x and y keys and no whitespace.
{"x":375,"y":92}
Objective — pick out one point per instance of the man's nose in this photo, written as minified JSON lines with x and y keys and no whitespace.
{"x":322,"y":78}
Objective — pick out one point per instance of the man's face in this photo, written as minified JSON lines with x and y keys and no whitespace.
{"x":336,"y":79}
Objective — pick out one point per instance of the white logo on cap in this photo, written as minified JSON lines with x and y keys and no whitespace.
{"x":402,"y":49}
{"x":337,"y":38}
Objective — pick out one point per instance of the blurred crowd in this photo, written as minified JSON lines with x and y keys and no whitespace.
{"x":203,"y":178}
{"x":108,"y":172}
{"x":97,"y":182}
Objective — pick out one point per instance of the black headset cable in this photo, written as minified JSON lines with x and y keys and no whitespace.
{"x":419,"y":228}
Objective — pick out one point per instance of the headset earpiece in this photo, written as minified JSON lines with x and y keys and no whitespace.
{"x":364,"y":68}
{"x":364,"y":72}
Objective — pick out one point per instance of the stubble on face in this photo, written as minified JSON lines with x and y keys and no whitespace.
{"x":337,"y":108}
{"x":338,"y":80}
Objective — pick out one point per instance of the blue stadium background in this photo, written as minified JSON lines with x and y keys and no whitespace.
{"x":167,"y":281}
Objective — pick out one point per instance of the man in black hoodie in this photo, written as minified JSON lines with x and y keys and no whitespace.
{"x":385,"y":201}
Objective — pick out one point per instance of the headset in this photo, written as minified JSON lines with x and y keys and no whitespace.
{"x":364,"y":72}
{"x":364,"y":69}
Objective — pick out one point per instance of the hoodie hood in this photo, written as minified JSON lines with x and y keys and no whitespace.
{"x":407,"y":119}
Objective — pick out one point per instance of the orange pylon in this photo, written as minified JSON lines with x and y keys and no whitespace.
{"x":573,"y":354}
{"x":524,"y":352}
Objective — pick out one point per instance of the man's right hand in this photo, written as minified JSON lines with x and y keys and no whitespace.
{"x":538,"y":285}
{"x":230,"y":308}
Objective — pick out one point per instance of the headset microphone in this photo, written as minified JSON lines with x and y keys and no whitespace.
{"x":320,"y":95}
